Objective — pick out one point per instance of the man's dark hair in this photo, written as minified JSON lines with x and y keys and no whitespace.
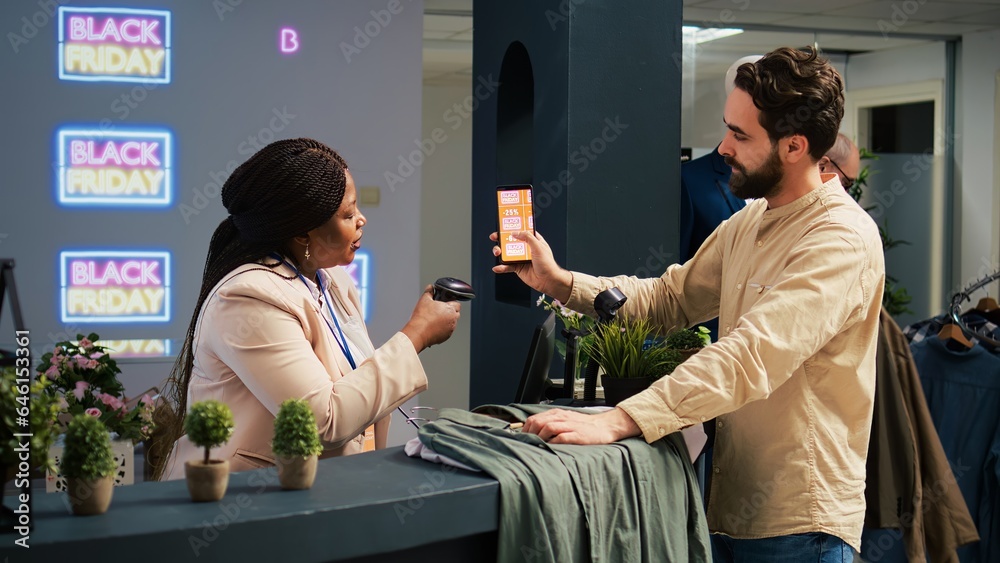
{"x":798,"y":93}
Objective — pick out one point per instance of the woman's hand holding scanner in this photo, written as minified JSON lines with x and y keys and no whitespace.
{"x":542,"y":273}
{"x":432,"y":322}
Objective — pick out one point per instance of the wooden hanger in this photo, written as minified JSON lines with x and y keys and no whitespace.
{"x":989,"y":309}
{"x":987,"y":304}
{"x":952,"y":333}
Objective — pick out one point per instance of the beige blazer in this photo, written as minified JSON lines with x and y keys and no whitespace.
{"x":261,"y":339}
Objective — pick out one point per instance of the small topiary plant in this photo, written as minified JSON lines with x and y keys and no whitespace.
{"x":88,"y":453}
{"x":686,"y":339}
{"x":295,"y":432}
{"x":209,"y":424}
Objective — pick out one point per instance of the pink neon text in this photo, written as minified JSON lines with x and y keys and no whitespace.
{"x":114,"y":272}
{"x":129,"y":153}
{"x":130,"y":30}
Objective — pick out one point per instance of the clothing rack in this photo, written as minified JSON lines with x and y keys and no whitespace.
{"x":966,"y":295}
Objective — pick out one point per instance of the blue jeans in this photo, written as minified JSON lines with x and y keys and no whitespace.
{"x":799,"y":548}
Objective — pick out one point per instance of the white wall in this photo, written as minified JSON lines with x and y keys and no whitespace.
{"x":445,"y":248}
{"x":896,"y":66}
{"x":978,"y":195}
{"x":976,"y":199}
{"x":899,"y":191}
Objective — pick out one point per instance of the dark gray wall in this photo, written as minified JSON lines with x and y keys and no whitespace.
{"x":605,"y":76}
{"x":228,"y":81}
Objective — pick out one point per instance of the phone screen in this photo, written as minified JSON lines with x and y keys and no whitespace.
{"x":515,"y":214}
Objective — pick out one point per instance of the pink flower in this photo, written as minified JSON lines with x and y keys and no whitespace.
{"x":81,"y":386}
{"x":52,"y":372}
{"x":85,"y":343}
{"x":96,"y":355}
{"x":110,"y":400}
{"x":63,"y":405}
{"x":94,"y":412}
{"x":84,"y":362}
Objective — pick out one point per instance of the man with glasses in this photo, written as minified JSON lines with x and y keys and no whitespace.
{"x":844,"y":160}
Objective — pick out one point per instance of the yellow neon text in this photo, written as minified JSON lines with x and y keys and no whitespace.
{"x":113,"y":181}
{"x":111,"y":59}
{"x":114,"y":301}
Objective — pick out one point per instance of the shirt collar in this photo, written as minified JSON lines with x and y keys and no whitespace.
{"x":287,"y":268}
{"x":806,"y":200}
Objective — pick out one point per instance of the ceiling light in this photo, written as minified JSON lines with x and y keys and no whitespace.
{"x":693,"y":34}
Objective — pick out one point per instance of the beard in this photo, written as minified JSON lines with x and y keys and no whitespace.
{"x":759,"y":183}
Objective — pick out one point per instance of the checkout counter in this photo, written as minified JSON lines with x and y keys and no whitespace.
{"x":379,"y":506}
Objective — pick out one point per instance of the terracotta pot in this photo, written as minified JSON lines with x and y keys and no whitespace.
{"x":297,"y":472}
{"x":89,"y":496}
{"x":617,"y":389}
{"x":207,"y":482}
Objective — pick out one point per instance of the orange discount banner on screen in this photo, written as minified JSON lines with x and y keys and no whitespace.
{"x":515,"y":214}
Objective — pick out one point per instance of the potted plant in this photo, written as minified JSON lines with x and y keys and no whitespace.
{"x":88,"y":463}
{"x":630,"y":363}
{"x":208,"y":424}
{"x":44,"y":408}
{"x":571,"y":321}
{"x":85,"y":381}
{"x":296,"y":444}
{"x":688,"y":341}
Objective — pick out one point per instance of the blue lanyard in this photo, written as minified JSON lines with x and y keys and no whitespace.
{"x":342,"y":341}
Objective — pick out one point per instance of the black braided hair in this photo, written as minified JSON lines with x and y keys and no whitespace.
{"x":284,"y":190}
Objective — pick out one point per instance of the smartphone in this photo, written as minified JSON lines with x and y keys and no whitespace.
{"x":515,"y":212}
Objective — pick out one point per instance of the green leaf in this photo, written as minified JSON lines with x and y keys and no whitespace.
{"x":295,"y":431}
{"x":618,"y":348}
{"x":209,"y":424}
{"x":88,"y":452}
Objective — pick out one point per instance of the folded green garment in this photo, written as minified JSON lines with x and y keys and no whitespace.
{"x":629,"y":501}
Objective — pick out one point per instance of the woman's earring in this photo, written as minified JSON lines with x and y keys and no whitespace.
{"x":308,"y":256}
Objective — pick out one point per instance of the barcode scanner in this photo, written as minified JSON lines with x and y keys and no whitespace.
{"x":445,"y":289}
{"x":451,"y":289}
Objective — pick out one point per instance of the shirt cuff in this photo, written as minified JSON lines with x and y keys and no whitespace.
{"x":581,"y":297}
{"x":653,"y":417}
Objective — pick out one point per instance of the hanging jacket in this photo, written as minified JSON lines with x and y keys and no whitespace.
{"x":911,"y":487}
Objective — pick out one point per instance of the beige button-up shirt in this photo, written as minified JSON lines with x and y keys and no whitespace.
{"x":797,"y":290}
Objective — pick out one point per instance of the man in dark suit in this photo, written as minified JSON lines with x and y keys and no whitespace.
{"x":705,"y":200}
